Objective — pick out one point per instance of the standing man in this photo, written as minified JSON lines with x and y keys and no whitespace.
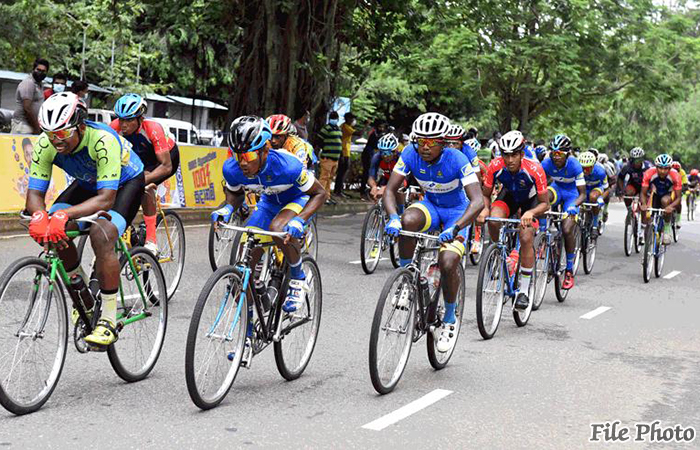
{"x":301,"y":125}
{"x":30,"y":97}
{"x":58,"y":85}
{"x":80,"y":88}
{"x":331,"y":146}
{"x":347,"y":129}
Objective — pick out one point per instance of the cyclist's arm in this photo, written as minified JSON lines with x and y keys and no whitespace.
{"x":581,"y":186}
{"x":476,"y":204}
{"x":644,"y":197}
{"x":234,"y":198}
{"x":35,"y":201}
{"x":162,"y":170}
{"x":373,"y":169}
{"x":317,"y":197}
{"x":395,"y":182}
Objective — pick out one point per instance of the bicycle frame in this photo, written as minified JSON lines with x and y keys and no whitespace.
{"x":506,"y":234}
{"x":657,"y":222}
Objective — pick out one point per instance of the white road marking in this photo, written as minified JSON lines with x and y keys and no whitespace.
{"x":339,"y":216}
{"x":14,"y":236}
{"x":359,"y":261}
{"x":405,"y":411}
{"x":201,"y":225}
{"x":672,"y":274}
{"x":596,"y":312}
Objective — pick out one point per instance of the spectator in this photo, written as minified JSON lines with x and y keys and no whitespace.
{"x":347,"y":129}
{"x":331,"y":146}
{"x":29,"y":97}
{"x":300,"y":125}
{"x":80,"y":88}
{"x":473,"y":133}
{"x":58,"y":84}
{"x":217,"y":139}
{"x":368,"y":153}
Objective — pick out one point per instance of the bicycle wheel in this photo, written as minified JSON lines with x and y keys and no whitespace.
{"x":490,"y":291}
{"x":216,"y":338}
{"x":521,"y":317}
{"x":675,"y":231}
{"x":559,"y":291}
{"x":577,"y":249}
{"x":630,"y":238}
{"x":647,"y":259}
{"x":589,"y":248}
{"x":476,"y":257}
{"x":300,"y":328}
{"x":437,"y":359}
{"x":392,"y":332}
{"x":220,"y":242}
{"x":394,"y":251}
{"x":637,"y":230}
{"x":541,"y":269}
{"x":310,"y":244}
{"x":170,"y":233}
{"x":144,"y":320}
{"x":371,"y":243}
{"x":659,"y":257}
{"x":33,"y":335}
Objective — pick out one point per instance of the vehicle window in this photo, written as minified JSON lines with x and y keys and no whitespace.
{"x":182,"y":135}
{"x":112,"y":117}
{"x":92,"y":117}
{"x":193,"y":137}
{"x":173,"y":132}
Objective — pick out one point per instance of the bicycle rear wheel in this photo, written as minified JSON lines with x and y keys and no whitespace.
{"x":170,"y":233}
{"x":300,"y":328}
{"x":371,"y":243}
{"x":144,"y":320}
{"x":559,"y":291}
{"x":637,"y":230}
{"x":394,"y":251}
{"x":589,"y":248}
{"x":648,"y":257}
{"x":33,"y":335}
{"x":220,"y":242}
{"x":630,"y":238}
{"x":490,"y":291}
{"x":310,"y":243}
{"x":476,"y":257}
{"x":521,"y":317}
{"x":675,"y":230}
{"x":392,"y":331}
{"x":216,"y":338}
{"x":577,"y":249}
{"x":437,"y":359}
{"x":541,"y":269}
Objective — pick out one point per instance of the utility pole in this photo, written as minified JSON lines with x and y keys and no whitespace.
{"x":111,"y":68}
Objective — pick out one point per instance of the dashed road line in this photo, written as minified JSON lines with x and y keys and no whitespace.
{"x":596,"y":312}
{"x":405,"y":411}
{"x":672,"y":274}
{"x":359,"y":261}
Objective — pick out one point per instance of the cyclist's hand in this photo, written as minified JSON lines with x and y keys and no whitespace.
{"x":447,"y":235}
{"x":57,"y":229}
{"x":481,"y":218}
{"x":394,"y":225}
{"x":572,"y":210}
{"x":295,"y":227}
{"x":373,"y":193}
{"x":601,"y":202}
{"x":39,"y":226}
{"x":244,"y":210}
{"x":526,"y":219}
{"x":222,"y":213}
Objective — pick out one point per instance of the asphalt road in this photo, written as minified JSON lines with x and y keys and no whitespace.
{"x":540,"y":386}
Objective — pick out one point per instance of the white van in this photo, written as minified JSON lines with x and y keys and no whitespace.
{"x":101,"y":115}
{"x":183,"y":132}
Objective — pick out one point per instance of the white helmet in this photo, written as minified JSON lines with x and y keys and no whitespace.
{"x":474,"y":144}
{"x":637,"y":153}
{"x":511,"y":142}
{"x":388,"y":142}
{"x":431,"y":125}
{"x":603,"y":158}
{"x":61,"y":111}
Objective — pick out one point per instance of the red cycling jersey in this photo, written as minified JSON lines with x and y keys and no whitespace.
{"x":149,"y":140}
{"x":527,"y":183}
{"x":664,"y":186}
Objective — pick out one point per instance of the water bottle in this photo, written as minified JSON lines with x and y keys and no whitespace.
{"x":82,"y":291}
{"x":273,"y":289}
{"x":425,"y":289}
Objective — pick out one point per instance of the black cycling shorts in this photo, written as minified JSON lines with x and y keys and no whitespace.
{"x":174,"y":158}
{"x":507,"y":200}
{"x":125,"y":206}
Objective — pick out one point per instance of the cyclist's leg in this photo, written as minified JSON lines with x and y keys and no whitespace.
{"x":501,"y":208}
{"x":148,"y":203}
{"x":630,"y":191}
{"x":527,"y":250}
{"x":449,"y":259}
{"x":567,"y":199}
{"x":592,"y":196}
{"x":420,"y":216}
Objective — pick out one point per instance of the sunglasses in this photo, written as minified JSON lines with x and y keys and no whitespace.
{"x":559,"y":152}
{"x":428,"y":142}
{"x":247,"y":156}
{"x":60,"y":135}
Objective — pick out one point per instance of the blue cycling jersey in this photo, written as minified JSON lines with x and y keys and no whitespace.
{"x":471,"y":155}
{"x":530,"y":153}
{"x":568,"y":177}
{"x":442,"y":181}
{"x":282,"y":180}
{"x":598,"y":178}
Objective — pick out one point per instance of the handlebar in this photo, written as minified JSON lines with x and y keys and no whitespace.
{"x":417,"y":234}
{"x":502,"y":220}
{"x":251,"y":230}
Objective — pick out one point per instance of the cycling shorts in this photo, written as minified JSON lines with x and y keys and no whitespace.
{"x":437,"y":218}
{"x":125,"y":206}
{"x":656,"y":199}
{"x":174,"y":158}
{"x":265,"y":211}
{"x":507,"y":202}
{"x":563,"y":196}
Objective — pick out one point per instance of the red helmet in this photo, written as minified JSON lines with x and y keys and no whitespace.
{"x":694,"y":172}
{"x":676,"y":165}
{"x":280,"y":124}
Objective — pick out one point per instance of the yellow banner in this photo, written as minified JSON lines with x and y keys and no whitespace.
{"x":202,"y":176}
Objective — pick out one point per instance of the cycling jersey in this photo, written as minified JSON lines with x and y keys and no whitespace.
{"x":282,"y":180}
{"x":683,"y":175}
{"x":442,"y":181}
{"x":597,"y":179}
{"x":693,"y":180}
{"x":529,"y":181}
{"x":633,"y":176}
{"x":301,"y":149}
{"x":102,"y":160}
{"x":471,"y":155}
{"x":150,"y":139}
{"x":568,"y":177}
{"x":663,"y":186}
{"x":380,"y":170}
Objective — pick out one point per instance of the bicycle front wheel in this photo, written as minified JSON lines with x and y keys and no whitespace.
{"x":475,"y":258}
{"x":371,"y":243}
{"x":33,"y":335}
{"x":392,"y":331}
{"x":142,"y":314}
{"x":220,"y":242}
{"x":216,"y":338}
{"x":589,"y":249}
{"x":437,"y":359}
{"x":490,"y":291}
{"x":630,"y":238}
{"x":648,"y":258}
{"x":659,"y":257}
{"x":560,"y":264}
{"x":541,"y":269}
{"x":170,"y":233}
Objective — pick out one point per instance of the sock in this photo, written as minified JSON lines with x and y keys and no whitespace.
{"x":109,"y":305}
{"x":78,"y":270}
{"x":399,"y":209}
{"x":150,"y":222}
{"x":296,"y":271}
{"x":570,"y":258}
{"x":595,"y":220}
{"x":403,"y":262}
{"x":450,"y":312}
{"x":525,"y":277}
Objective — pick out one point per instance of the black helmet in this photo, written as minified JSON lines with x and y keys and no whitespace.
{"x":248,"y":133}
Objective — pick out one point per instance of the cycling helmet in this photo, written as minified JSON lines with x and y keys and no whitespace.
{"x":587,"y":159}
{"x":130,"y":106}
{"x":663,"y":160}
{"x":431,"y":125}
{"x":474,"y":144}
{"x":248,"y":133}
{"x":280,"y":124}
{"x":493,"y":146}
{"x":694,"y":172}
{"x":560,"y":143}
{"x":388,"y":142}
{"x":594,"y":151}
{"x":603,"y":158}
{"x":676,"y":165}
{"x":511,"y":142}
{"x":455,"y":132}
{"x":61,"y":111}
{"x":637,"y":153}
{"x":540,"y":150}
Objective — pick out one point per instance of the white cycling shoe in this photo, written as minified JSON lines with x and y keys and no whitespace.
{"x":296,"y":294}
{"x":446,"y":336}
{"x":151,"y":247}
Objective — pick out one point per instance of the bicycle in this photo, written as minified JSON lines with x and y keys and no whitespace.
{"x":222,"y":241}
{"x":238,"y":315}
{"x":474,"y":258}
{"x":589,"y":242}
{"x":632,"y":227}
{"x":498,"y":280}
{"x":690,"y":204}
{"x":409,"y":307}
{"x":654,"y":248}
{"x":34,"y":319}
{"x":549,"y":262}
{"x":375,"y":240}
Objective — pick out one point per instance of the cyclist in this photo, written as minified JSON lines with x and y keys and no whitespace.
{"x":568,"y":189}
{"x":156,"y":148}
{"x":456,"y":138}
{"x":629,"y":180}
{"x":540,"y":152}
{"x":676,"y":165}
{"x":108,"y":177}
{"x":382,"y":164}
{"x":611,"y":170}
{"x":597,"y":187}
{"x":667,"y":191}
{"x":524,"y":191}
{"x":452,"y":201}
{"x":290,"y":194}
{"x":284,"y":138}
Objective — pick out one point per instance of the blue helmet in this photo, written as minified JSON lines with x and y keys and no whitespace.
{"x":560,"y":143}
{"x":663,"y":160}
{"x":130,"y":106}
{"x":540,"y":150}
{"x":248,"y":133}
{"x":387,"y":143}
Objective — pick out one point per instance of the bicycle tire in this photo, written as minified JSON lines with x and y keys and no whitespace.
{"x":648,"y":253}
{"x":405,"y":280}
{"x":491,"y":257}
{"x":475,"y":258}
{"x":637,"y":242}
{"x":310,"y":246}
{"x":175,"y":267}
{"x":675,"y":231}
{"x":394,"y":252}
{"x":659,"y":258}
{"x":373,"y":219}
{"x":629,"y":239}
{"x":8,"y":399}
{"x":154,"y":286}
{"x":80,"y":246}
{"x":578,"y":235}
{"x":439,"y":360}
{"x":219,"y":242}
{"x":194,"y":385}
{"x":560,"y":292}
{"x":590,"y":247}
{"x":521,"y":317}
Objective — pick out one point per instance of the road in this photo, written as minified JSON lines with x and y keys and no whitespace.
{"x":540,"y":386}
